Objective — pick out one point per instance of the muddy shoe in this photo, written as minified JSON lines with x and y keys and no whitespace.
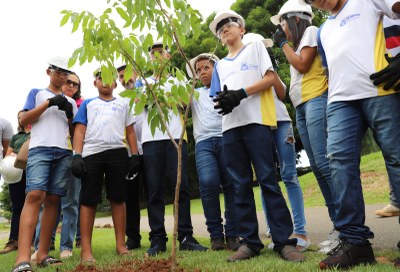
{"x":388,"y":210}
{"x":243,"y":253}
{"x":11,"y":245}
{"x":347,"y":255}
{"x":233,"y":243}
{"x":291,"y":254}
{"x":218,"y":244}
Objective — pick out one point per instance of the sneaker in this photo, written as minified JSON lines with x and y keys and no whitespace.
{"x":233,"y":243}
{"x":302,"y":244}
{"x":218,"y":244}
{"x":77,"y":243}
{"x":157,"y":246}
{"x":291,"y":254}
{"x":332,"y":236}
{"x":347,"y":255}
{"x":388,"y":210}
{"x":271,"y":245}
{"x":132,"y":244}
{"x":190,"y":243}
{"x":243,"y":253}
{"x":11,"y":245}
{"x":34,"y":257}
{"x":65,"y":254}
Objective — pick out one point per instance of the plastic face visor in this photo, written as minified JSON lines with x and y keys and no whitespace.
{"x":225,"y":21}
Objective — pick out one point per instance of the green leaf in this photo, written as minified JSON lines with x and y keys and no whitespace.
{"x":183,"y":94}
{"x":65,"y":19}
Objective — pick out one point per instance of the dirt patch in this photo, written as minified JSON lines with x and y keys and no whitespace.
{"x":146,"y":265}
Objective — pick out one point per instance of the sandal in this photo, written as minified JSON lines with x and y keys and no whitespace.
{"x":22,"y":267}
{"x":89,"y":263}
{"x":302,"y":244}
{"x":49,"y":261}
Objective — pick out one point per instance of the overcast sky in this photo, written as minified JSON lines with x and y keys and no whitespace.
{"x":31,"y":34}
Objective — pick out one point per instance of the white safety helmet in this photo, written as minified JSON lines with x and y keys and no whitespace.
{"x":120,"y":66}
{"x":193,"y":61}
{"x":252,"y":37}
{"x":224,"y":16}
{"x":9,"y":173}
{"x":59,"y":63}
{"x":293,"y":8}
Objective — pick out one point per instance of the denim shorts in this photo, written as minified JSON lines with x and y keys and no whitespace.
{"x":48,"y":170}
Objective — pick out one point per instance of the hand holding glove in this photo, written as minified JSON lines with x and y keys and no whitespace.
{"x":58,"y":101}
{"x":133,"y":166}
{"x":389,"y":75}
{"x":78,"y":166}
{"x":227,"y":100}
{"x":280,"y":37}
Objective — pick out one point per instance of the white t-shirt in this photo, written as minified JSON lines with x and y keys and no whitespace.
{"x":248,"y":67}
{"x":207,"y":122}
{"x":304,"y":87}
{"x":175,"y":121}
{"x":105,"y":122}
{"x":282,"y":113}
{"x":51,"y":129}
{"x":352,"y":44}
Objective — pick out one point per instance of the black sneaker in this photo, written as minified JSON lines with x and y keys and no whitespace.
{"x":132,"y":244}
{"x":346,"y":255}
{"x":190,"y":243}
{"x":233,"y":243}
{"x":218,"y":244}
{"x":157,"y":246}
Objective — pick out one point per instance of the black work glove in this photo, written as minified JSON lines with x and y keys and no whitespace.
{"x":272,"y":57}
{"x":133,"y":166}
{"x":67,"y":107}
{"x":228,"y":100}
{"x":78,"y":166}
{"x":280,"y":37}
{"x":58,"y":101}
{"x":389,"y":75}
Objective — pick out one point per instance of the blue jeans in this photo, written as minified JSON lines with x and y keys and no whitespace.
{"x":160,"y":165}
{"x":311,"y":124}
{"x":70,"y":211}
{"x":284,"y":142}
{"x":347,"y":124}
{"x":213,"y":175}
{"x":244,"y":146}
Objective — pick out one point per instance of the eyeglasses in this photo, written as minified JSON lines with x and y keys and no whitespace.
{"x":227,"y":25}
{"x":73,"y":83}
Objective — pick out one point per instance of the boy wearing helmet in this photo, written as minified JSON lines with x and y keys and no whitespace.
{"x":210,"y":162}
{"x":49,"y":160}
{"x":352,"y":44}
{"x":245,"y":78}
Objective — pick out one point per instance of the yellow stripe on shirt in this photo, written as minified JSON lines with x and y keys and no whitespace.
{"x":268,"y":112}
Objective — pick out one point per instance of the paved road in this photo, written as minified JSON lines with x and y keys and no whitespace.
{"x":386,"y":230}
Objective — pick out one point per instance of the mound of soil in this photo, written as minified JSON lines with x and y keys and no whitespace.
{"x":147,"y":265}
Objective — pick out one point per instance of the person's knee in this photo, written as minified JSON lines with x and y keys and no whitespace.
{"x":35,"y":197}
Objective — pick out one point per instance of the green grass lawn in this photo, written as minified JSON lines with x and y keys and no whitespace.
{"x":375,"y":186}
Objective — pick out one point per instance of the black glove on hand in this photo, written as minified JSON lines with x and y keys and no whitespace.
{"x":134,"y":165}
{"x":78,"y":166}
{"x":280,"y":37}
{"x":228,"y":100}
{"x":389,"y":75}
{"x":67,"y":107}
{"x":58,"y":101}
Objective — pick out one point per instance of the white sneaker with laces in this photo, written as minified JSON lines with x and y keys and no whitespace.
{"x":65,"y":254}
{"x":332,"y":236}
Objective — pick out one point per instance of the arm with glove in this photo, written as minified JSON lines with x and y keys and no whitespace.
{"x":227,"y":100}
{"x":390,"y":75}
{"x":134,"y":160}
{"x":78,"y":166}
